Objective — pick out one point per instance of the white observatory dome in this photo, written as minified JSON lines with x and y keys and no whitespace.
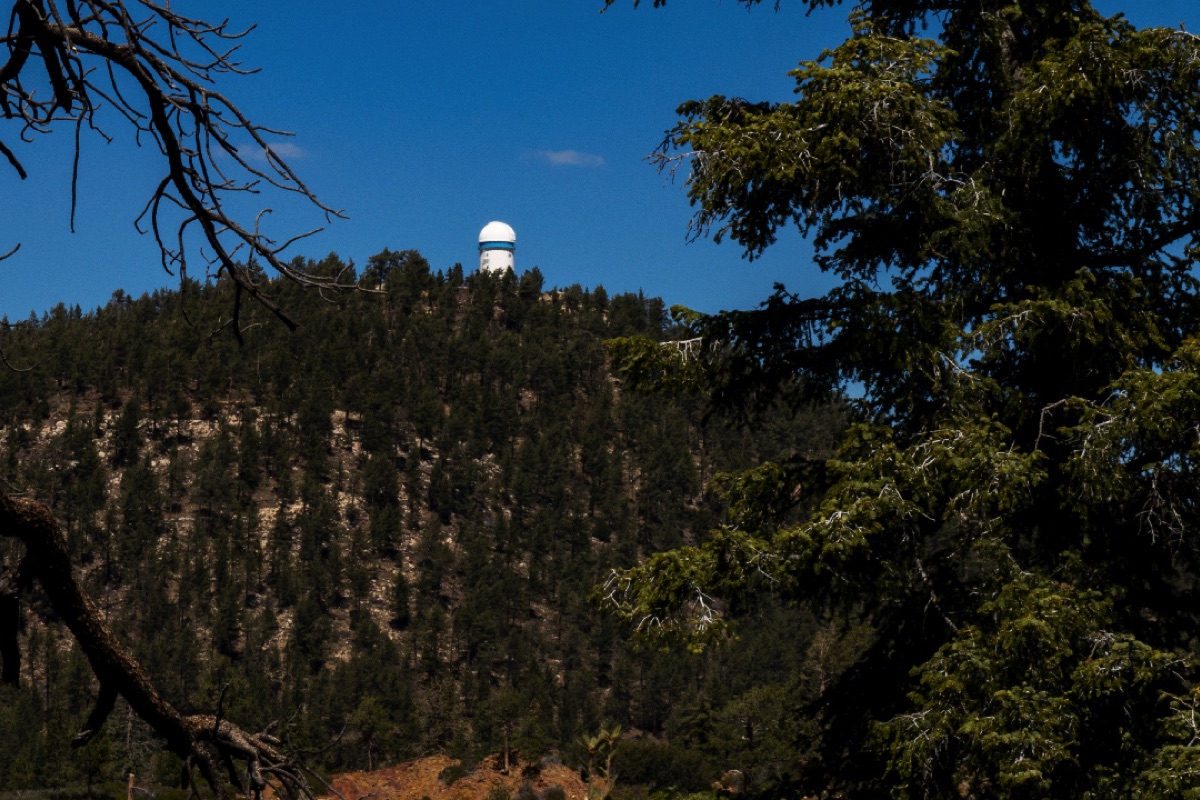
{"x":497,"y":232}
{"x":497,"y":246}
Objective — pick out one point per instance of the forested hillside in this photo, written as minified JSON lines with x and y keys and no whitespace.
{"x":381,"y":531}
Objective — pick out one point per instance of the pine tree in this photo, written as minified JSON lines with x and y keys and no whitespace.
{"x":1009,"y":212}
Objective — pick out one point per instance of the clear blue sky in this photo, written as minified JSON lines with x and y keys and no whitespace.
{"x":426,"y":120}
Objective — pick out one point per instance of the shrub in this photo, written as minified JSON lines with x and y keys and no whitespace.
{"x":658,"y":765}
{"x":454,"y":772}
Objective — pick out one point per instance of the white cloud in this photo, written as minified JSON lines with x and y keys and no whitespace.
{"x":569,"y":158}
{"x":286,"y":150}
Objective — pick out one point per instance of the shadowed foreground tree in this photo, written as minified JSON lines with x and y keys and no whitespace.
{"x":84,"y":64}
{"x":1012,"y":210}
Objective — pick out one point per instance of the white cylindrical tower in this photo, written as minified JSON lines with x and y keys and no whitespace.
{"x":497,"y":247}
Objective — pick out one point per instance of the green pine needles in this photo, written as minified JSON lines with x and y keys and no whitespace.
{"x":1013,"y":211}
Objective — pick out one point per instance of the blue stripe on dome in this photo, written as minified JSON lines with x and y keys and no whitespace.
{"x":497,"y":246}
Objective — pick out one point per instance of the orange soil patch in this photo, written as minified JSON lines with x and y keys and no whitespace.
{"x":416,"y":780}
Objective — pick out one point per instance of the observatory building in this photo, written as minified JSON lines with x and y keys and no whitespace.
{"x":497,"y":245}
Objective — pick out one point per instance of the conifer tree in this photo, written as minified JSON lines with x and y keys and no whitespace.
{"x":1007,"y":195}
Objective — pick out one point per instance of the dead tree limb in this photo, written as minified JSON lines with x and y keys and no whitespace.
{"x":203,"y":741}
{"x":151,"y":68}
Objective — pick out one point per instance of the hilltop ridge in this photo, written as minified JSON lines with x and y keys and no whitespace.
{"x":383,"y":526}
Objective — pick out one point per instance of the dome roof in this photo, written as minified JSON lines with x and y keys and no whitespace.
{"x":497,"y":232}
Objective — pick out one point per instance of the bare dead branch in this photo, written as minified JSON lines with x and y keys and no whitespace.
{"x":156,"y":69}
{"x":200,"y":739}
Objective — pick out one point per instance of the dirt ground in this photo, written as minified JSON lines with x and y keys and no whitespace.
{"x":417,"y":780}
